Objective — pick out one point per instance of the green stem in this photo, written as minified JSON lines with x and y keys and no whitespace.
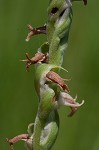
{"x":38,"y":127}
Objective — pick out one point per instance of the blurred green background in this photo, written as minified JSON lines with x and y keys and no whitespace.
{"x":18,"y":100}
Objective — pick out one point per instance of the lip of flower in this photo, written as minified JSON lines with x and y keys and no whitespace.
{"x":66,"y":100}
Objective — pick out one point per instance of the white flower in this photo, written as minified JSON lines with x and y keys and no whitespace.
{"x":66,"y":100}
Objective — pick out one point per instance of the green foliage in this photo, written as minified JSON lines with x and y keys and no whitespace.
{"x":18,"y":97}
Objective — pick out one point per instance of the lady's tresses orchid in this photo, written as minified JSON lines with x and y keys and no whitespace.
{"x":51,"y":89}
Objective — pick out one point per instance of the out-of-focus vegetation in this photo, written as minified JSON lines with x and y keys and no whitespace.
{"x":18,"y":100}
